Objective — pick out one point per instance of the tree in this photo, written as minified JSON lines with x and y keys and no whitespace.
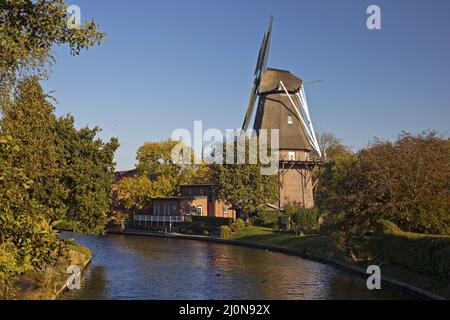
{"x":332,"y":146}
{"x":29,"y":29}
{"x":88,"y":175}
{"x":405,"y":182}
{"x":243,"y":185}
{"x":27,"y":240}
{"x":155,"y":161}
{"x":35,"y":189}
{"x":332,"y":185}
{"x":72,"y":171}
{"x":30,"y":120}
{"x":137,"y":192}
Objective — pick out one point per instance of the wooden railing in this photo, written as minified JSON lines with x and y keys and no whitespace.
{"x":162,"y":219}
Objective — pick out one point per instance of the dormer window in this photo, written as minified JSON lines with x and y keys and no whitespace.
{"x":290,"y":120}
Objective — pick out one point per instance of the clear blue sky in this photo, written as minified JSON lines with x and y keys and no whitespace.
{"x":168,"y":63}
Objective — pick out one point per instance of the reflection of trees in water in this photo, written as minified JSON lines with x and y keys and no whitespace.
{"x":265,"y":275}
{"x":93,"y":285}
{"x":346,"y":286}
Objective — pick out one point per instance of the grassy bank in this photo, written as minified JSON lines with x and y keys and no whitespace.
{"x":317,"y":245}
{"x":46,"y":284}
{"x":406,"y":257}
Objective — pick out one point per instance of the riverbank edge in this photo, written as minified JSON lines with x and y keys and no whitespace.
{"x":388,"y":281}
{"x":63,"y":289}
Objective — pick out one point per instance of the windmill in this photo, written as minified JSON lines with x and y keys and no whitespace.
{"x":282,"y":105}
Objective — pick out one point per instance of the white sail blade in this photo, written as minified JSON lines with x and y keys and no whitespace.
{"x":309,"y":136}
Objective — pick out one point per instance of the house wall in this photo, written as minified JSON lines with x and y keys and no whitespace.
{"x":179,"y":206}
{"x":212,"y":208}
{"x":186,"y":206}
{"x":216,"y":209}
{"x":299,"y":155}
{"x":166,"y":207}
{"x":203,"y":202}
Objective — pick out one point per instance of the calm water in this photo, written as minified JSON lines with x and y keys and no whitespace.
{"x":132,"y":267}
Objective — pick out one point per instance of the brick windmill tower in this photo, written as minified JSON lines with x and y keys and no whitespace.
{"x":282,"y":105}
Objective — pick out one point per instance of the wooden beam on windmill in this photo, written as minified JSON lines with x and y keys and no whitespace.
{"x":261,"y":65}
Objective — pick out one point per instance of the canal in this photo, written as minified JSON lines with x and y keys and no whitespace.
{"x":138,"y":267}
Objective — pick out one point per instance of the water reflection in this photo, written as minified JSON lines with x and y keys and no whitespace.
{"x":132,"y":267}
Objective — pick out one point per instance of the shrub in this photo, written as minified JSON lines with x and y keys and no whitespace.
{"x":9,"y":267}
{"x":266,"y":218}
{"x":304,"y":220}
{"x":225,"y":232}
{"x":387,"y":227}
{"x":237,"y":226}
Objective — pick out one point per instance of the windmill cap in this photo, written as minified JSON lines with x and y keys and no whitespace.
{"x":270,"y":81}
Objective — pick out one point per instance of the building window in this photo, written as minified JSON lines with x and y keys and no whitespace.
{"x":290,"y":120}
{"x":291,"y":155}
{"x":225,"y":208}
{"x":199,"y":210}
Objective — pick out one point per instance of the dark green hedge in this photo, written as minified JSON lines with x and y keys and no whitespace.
{"x":428,"y":255}
{"x":214,"y":222}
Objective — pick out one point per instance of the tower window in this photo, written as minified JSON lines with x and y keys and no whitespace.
{"x":290,"y":120}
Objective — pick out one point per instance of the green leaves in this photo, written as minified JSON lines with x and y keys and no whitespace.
{"x":243,"y":186}
{"x":48,"y":169}
{"x":88,"y":175}
{"x":27,"y":240}
{"x":304,"y":220}
{"x":404,"y":181}
{"x":29,"y":30}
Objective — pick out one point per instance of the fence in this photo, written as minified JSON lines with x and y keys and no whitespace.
{"x":161,"y":219}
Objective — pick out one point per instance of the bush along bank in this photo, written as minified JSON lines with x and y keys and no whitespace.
{"x":50,"y":283}
{"x":426,"y":255}
{"x":226,"y":232}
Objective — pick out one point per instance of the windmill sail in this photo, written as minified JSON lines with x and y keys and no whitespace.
{"x":261,"y":65}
